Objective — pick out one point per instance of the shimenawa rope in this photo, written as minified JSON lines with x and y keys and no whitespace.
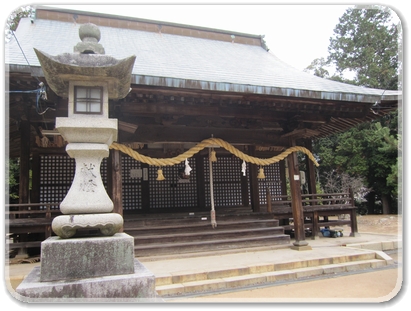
{"x":211,"y":142}
{"x":212,"y":158}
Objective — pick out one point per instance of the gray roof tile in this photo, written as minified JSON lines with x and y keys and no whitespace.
{"x":215,"y":64}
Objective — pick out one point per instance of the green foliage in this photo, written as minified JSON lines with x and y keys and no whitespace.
{"x":366,"y":43}
{"x":12,"y":179}
{"x":318,"y":68}
{"x":15,"y":17}
{"x":368,"y":151}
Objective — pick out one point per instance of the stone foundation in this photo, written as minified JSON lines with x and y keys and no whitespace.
{"x":90,"y":269}
{"x":67,"y":259}
{"x":136,"y":287}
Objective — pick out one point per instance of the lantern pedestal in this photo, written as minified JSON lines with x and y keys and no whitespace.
{"x":99,"y":269}
{"x":87,"y":204}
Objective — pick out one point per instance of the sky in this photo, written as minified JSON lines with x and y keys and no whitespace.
{"x":297,"y":34}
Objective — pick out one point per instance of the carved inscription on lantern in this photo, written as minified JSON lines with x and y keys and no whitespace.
{"x":88,"y":178}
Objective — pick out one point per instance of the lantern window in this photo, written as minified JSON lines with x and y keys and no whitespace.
{"x":88,"y":100}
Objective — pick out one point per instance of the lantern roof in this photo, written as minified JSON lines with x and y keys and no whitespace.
{"x":87,"y":63}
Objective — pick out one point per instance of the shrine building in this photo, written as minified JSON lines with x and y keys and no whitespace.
{"x":188,"y":84}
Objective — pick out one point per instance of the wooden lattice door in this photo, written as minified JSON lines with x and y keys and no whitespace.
{"x":132,"y":178}
{"x":272,"y":181}
{"x":57,"y":174}
{"x":173,"y":193}
{"x":226,"y":180}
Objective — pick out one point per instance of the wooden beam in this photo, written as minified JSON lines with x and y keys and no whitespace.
{"x":159,"y":134}
{"x":304,"y":103}
{"x":253,"y":111}
{"x":300,"y":133}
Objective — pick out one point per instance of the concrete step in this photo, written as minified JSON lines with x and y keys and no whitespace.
{"x":209,"y":245}
{"x":226,"y":279}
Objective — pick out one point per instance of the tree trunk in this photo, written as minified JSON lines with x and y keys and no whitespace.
{"x":385,"y":204}
{"x":371,"y":202}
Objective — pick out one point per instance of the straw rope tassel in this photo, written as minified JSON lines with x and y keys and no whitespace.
{"x":213,"y":157}
{"x":160,"y":176}
{"x":212,"y":213}
{"x":261,"y":173}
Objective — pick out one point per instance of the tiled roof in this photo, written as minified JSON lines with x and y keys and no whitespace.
{"x":188,"y":62}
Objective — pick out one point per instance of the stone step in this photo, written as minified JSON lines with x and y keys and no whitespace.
{"x":206,"y":235}
{"x":267,"y":267}
{"x":209,"y":245}
{"x":226,"y":279}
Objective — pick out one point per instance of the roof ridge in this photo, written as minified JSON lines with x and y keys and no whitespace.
{"x":120,"y":21}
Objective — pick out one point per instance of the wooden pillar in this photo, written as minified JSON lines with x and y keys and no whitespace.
{"x":245,"y":200}
{"x":201,"y":197}
{"x":245,"y":196}
{"x":145,"y":188}
{"x":35,"y":179}
{"x":269,"y":203}
{"x":312,"y":189}
{"x":24,"y":178}
{"x":283,"y":178}
{"x":353,"y":215}
{"x":296,"y":202}
{"x":115,"y":181}
{"x":255,"y":195}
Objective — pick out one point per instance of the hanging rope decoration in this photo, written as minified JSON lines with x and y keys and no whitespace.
{"x":187,"y":168}
{"x":244,"y":168}
{"x":160,"y":176}
{"x":210,"y":142}
{"x":261,"y":173}
{"x":212,"y":158}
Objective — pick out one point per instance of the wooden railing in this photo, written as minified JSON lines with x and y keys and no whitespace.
{"x":28,"y":210}
{"x":317,"y":200}
{"x":317,"y":208}
{"x":29,"y":223}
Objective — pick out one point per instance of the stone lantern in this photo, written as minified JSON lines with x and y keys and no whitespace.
{"x":75,"y":264}
{"x":88,"y":78}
